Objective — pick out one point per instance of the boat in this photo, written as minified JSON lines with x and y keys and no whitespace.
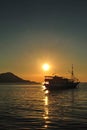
{"x":57,"y":83}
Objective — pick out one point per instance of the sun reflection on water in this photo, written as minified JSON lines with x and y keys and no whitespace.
{"x":46,"y":111}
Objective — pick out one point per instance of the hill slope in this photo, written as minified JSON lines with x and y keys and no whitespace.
{"x":9,"y":77}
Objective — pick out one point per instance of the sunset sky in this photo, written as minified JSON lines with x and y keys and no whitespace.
{"x":34,"y":32}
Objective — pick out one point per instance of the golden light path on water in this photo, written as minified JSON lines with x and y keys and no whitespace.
{"x":46,"y":111}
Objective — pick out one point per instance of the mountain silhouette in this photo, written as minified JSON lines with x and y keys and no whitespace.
{"x":9,"y":77}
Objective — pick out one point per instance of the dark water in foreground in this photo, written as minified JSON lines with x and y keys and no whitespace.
{"x":24,"y":107}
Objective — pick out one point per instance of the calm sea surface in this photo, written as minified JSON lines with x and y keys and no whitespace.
{"x":25,"y":107}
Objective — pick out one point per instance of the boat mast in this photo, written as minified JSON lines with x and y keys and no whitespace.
{"x":72,"y":73}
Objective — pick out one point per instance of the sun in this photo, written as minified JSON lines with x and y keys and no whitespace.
{"x":46,"y":67}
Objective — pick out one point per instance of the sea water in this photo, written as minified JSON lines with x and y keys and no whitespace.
{"x":28,"y":107}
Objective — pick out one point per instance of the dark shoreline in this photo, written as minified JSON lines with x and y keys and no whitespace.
{"x":20,"y":83}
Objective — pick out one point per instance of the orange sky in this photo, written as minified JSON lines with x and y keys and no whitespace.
{"x":36,"y":32}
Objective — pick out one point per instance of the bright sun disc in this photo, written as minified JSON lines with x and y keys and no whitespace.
{"x":46,"y":67}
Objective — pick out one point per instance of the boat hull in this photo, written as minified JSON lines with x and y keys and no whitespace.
{"x":61,"y":86}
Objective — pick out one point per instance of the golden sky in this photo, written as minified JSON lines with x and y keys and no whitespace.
{"x":34,"y":33}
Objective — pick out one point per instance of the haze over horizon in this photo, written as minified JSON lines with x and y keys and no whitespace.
{"x":35,"y":32}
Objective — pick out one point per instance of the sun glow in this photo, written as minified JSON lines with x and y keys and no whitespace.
{"x":46,"y":67}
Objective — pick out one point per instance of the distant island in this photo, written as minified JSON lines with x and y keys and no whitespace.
{"x":9,"y":77}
